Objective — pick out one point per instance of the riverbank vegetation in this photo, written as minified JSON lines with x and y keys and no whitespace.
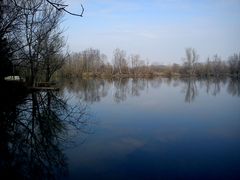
{"x":92,"y":63}
{"x":32,"y":46}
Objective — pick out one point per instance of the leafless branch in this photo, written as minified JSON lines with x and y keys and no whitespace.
{"x":62,"y":7}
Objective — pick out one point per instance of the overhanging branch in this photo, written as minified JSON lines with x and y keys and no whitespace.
{"x":62,"y":7}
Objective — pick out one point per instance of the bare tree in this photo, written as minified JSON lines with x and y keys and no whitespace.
{"x":234,"y":64}
{"x":57,"y":4}
{"x":190,"y":61}
{"x":24,"y":27}
{"x":137,"y":63}
{"x":52,"y":53}
{"x":38,"y":38}
{"x":119,"y":61}
{"x":9,"y":16}
{"x":62,"y":7}
{"x":91,"y":60}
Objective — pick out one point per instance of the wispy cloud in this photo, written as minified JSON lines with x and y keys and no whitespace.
{"x":158,"y":29}
{"x":148,"y":35}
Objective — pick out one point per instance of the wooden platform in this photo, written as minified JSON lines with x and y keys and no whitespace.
{"x":45,"y":84}
{"x":44,"y":88}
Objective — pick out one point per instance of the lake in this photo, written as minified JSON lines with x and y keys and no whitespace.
{"x":127,"y":129}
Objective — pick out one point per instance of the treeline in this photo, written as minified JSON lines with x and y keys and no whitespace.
{"x":92,"y":63}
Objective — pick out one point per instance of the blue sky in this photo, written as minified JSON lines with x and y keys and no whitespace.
{"x":158,"y":30}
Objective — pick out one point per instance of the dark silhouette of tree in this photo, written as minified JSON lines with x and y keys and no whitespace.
{"x":32,"y":134}
{"x":8,"y":17}
{"x":39,"y":40}
{"x":6,"y":66}
{"x":25,"y":29}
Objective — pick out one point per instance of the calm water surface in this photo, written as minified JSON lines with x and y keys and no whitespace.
{"x":158,"y":129}
{"x":125,"y":129}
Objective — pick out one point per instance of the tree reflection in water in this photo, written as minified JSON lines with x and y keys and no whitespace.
{"x":190,"y":90}
{"x":234,"y":87}
{"x":121,"y":89}
{"x":93,"y":90}
{"x":138,"y":85}
{"x":213,"y":85}
{"x":32,"y":135}
{"x":89,"y":90}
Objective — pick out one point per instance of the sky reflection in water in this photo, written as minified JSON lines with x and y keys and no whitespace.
{"x":159,"y":128}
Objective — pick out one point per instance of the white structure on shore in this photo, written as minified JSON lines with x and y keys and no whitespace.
{"x":13,"y":78}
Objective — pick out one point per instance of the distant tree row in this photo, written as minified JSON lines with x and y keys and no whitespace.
{"x":91,"y":62}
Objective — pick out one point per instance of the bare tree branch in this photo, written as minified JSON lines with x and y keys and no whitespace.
{"x":62,"y":7}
